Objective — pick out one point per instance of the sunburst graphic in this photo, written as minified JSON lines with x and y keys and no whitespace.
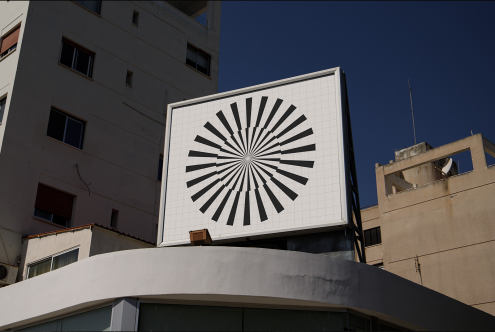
{"x":245,"y":161}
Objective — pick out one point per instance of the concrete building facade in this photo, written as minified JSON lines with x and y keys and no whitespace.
{"x":435,"y":229}
{"x":84,"y":91}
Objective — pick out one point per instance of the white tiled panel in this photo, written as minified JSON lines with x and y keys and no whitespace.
{"x":318,"y":202}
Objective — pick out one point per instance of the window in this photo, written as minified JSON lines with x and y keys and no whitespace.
{"x":128,"y":78}
{"x":115,"y":218}
{"x":65,"y":128}
{"x":2,"y":107}
{"x":197,"y":10}
{"x":198,"y":59}
{"x":135,"y":17}
{"x":53,"y":205}
{"x":53,"y":263}
{"x":94,"y":6}
{"x":9,"y":42}
{"x":160,"y":168}
{"x":76,"y":57}
{"x":372,"y":236}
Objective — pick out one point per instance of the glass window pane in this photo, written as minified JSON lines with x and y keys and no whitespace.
{"x":56,"y":125}
{"x":2,"y":108}
{"x":191,"y":54}
{"x":292,"y":320}
{"x":358,"y":323}
{"x":66,"y":55}
{"x":43,"y":214}
{"x":82,"y":62}
{"x":203,"y":60}
{"x":73,"y":133}
{"x":39,"y":268}
{"x":96,"y":320}
{"x":160,"y":168}
{"x":166,"y":317}
{"x":92,"y":5}
{"x":50,"y":326}
{"x":65,"y":259}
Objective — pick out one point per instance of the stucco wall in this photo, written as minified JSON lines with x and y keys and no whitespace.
{"x":235,"y":276}
{"x":447,"y":224}
{"x":124,"y":130}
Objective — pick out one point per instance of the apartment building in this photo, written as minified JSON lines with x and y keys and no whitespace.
{"x":84,"y":87}
{"x":434,"y":225}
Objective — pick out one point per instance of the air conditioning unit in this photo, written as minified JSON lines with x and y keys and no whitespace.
{"x":8,"y":274}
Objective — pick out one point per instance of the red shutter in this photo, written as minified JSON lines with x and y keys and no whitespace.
{"x":10,"y":40}
{"x":54,"y":201}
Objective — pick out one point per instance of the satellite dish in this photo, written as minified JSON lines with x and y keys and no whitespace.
{"x":447,"y":166}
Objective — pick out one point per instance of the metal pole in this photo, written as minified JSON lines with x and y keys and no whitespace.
{"x":412,"y":111}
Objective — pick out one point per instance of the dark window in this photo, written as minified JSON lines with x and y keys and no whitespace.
{"x":9,"y":42}
{"x":198,"y":59}
{"x":65,"y":128}
{"x":128,"y":78}
{"x":2,"y":107}
{"x":135,"y":17}
{"x":160,"y":168}
{"x":372,"y":236}
{"x":76,"y":57}
{"x":91,"y":5}
{"x":53,"y":263}
{"x":115,"y":218}
{"x":53,"y":205}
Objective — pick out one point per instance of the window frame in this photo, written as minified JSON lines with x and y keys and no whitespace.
{"x":160,"y":168}
{"x":2,"y":111}
{"x":77,"y":49}
{"x":129,"y":78}
{"x":65,"y":127}
{"x":29,"y":265}
{"x":14,"y":46}
{"x":82,"y":5}
{"x":198,"y":50}
{"x":135,"y":15}
{"x":378,"y":237}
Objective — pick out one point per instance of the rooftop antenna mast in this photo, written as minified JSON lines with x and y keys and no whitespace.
{"x":412,"y":110}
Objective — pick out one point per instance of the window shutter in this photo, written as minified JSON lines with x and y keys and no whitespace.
{"x":10,"y":40}
{"x":54,"y":201}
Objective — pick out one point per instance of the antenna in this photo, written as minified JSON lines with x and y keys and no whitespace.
{"x":412,"y":110}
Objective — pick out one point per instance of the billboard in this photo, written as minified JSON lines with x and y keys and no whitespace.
{"x":261,"y":160}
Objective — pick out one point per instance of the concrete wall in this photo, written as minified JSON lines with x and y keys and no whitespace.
{"x":104,"y":241}
{"x":124,"y":125}
{"x":448,"y":224}
{"x":246,"y":277}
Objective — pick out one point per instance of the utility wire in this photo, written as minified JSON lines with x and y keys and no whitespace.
{"x":87,"y":185}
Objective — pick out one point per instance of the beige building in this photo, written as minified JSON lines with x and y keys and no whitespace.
{"x":433,"y":228}
{"x":84,"y":87}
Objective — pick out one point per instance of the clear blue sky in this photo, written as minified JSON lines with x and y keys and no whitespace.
{"x":446,"y":49}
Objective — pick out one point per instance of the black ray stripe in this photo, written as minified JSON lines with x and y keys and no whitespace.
{"x":257,"y":138}
{"x":225,"y":123}
{"x":259,"y":175}
{"x":198,"y":167}
{"x":284,"y":117}
{"x":293,"y":125}
{"x":272,"y":113}
{"x":220,"y":208}
{"x":268,"y":165}
{"x":269,"y":159}
{"x":298,"y":136}
{"x":261,"y":207}
{"x":274,"y":199}
{"x":214,"y":131}
{"x":249,"y":103}
{"x":269,"y":154}
{"x":226,"y":163}
{"x":204,"y":190}
{"x":242,"y":141}
{"x":204,"y":141}
{"x":236,"y":166}
{"x":236,"y":143}
{"x":247,"y":211}
{"x":198,"y":180}
{"x":222,"y":157}
{"x":232,"y":147}
{"x":230,"y":221}
{"x":261,"y":110}
{"x":247,"y":140}
{"x":252,"y":137}
{"x":264,"y":170}
{"x":193,"y":153}
{"x":248,"y":182}
{"x":232,"y":153}
{"x":300,"y":163}
{"x":254,"y":179}
{"x":292,"y":195}
{"x":261,"y":142}
{"x":271,"y":147}
{"x":295,"y":177}
{"x":237,"y":176}
{"x":235,"y":111}
{"x":211,"y":200}
{"x":271,"y":140}
{"x":311,"y":147}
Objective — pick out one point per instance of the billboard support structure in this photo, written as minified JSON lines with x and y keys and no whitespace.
{"x":354,"y":211}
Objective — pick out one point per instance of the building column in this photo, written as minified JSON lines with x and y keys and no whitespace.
{"x":124,"y":314}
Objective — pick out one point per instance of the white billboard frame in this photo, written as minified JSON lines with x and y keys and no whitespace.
{"x":342,"y":145}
